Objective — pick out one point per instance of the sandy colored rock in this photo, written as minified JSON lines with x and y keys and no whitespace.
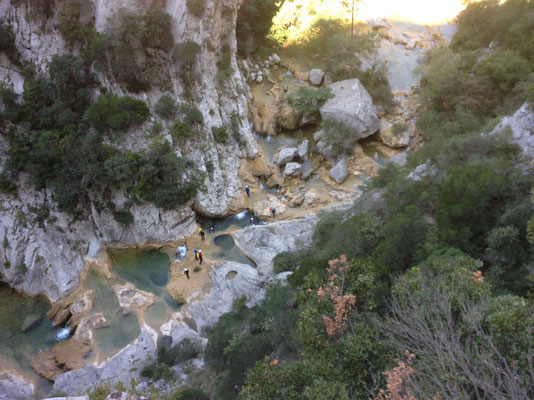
{"x":288,"y":118}
{"x":132,"y":299}
{"x":264,"y":118}
{"x":261,"y":208}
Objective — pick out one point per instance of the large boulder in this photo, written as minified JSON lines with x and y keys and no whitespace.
{"x":262,"y":208}
{"x":394,"y":135}
{"x":287,"y":155}
{"x":339,"y":171}
{"x":353,"y":106}
{"x":316,"y":77}
{"x":302,"y":149}
{"x":13,"y":386}
{"x":288,"y":118}
{"x":293,"y":169}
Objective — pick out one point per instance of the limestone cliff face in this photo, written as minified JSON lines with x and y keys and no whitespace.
{"x":53,"y":251}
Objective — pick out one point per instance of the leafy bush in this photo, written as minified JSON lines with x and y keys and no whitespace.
{"x":7,"y":43}
{"x":192,"y":115}
{"x":193,"y":394}
{"x":166,"y":107}
{"x":185,"y":52}
{"x":70,"y":26}
{"x":251,"y":35}
{"x":181,"y":131}
{"x":225,"y":64}
{"x":116,"y":113}
{"x":504,"y":69}
{"x":123,"y":217}
{"x":220,"y":133}
{"x":308,"y":100}
{"x":21,"y":267}
{"x":6,"y":186}
{"x":286,"y":261}
{"x":196,"y":7}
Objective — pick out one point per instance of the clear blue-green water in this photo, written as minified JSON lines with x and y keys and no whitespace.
{"x":224,"y":248}
{"x":17,"y":348}
{"x":241,"y":220}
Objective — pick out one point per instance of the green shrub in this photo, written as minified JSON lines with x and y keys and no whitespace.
{"x":225,"y":64}
{"x":220,"y":133}
{"x":7,"y":264}
{"x":254,"y":19}
{"x":69,"y":25}
{"x":180,"y":300}
{"x":308,"y":100}
{"x":192,"y":115}
{"x":193,"y":394}
{"x":286,"y":261}
{"x":123,"y":217}
{"x":181,"y":131}
{"x":100,"y":392}
{"x":7,"y":43}
{"x":21,"y":267}
{"x":184,"y":53}
{"x":504,"y":69}
{"x":196,"y":7}
{"x":166,"y":107}
{"x":116,"y":113}
{"x":529,"y":93}
{"x":6,"y":186}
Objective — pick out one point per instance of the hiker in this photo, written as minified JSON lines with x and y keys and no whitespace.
{"x":202,"y":234}
{"x":186,"y":272}
{"x":200,"y":256}
{"x":196,"y":254}
{"x":247,"y":191}
{"x":273,"y":211}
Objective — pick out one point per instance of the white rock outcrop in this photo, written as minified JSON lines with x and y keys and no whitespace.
{"x":14,"y":387}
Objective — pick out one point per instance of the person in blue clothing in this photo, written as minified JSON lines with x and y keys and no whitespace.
{"x":247,"y":191}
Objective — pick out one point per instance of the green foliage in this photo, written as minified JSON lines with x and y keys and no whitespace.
{"x":7,"y":264}
{"x":529,"y":93}
{"x":116,"y":113}
{"x":6,"y":186}
{"x":225,"y":64}
{"x":7,"y":43}
{"x":123,"y":217}
{"x":185,"y":52}
{"x":193,"y":394}
{"x":100,"y":392}
{"x":308,"y":100}
{"x":166,"y":107}
{"x":470,"y":200}
{"x":504,"y":69}
{"x":220,"y":134}
{"x":286,"y":261}
{"x":69,"y":25}
{"x":196,"y":7}
{"x":21,"y":267}
{"x":254,"y":20}
{"x":246,"y":335}
{"x":338,"y":136}
{"x":181,"y":131}
{"x":192,"y":115}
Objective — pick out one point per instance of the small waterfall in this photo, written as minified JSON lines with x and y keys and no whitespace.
{"x":181,"y":252}
{"x":242,"y":214}
{"x":62,"y":334}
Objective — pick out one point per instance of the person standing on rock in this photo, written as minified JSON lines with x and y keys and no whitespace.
{"x":273,"y":211}
{"x":186,"y":272}
{"x":196,"y":254}
{"x":202,"y":234}
{"x":247,"y":191}
{"x":200,"y":256}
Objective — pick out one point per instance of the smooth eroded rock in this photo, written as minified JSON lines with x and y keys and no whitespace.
{"x":302,"y":149}
{"x":353,"y":106}
{"x":316,"y":77}
{"x":339,"y":171}
{"x":287,"y":155}
{"x":293,"y":169}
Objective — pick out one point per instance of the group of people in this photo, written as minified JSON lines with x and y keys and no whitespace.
{"x":198,"y":253}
